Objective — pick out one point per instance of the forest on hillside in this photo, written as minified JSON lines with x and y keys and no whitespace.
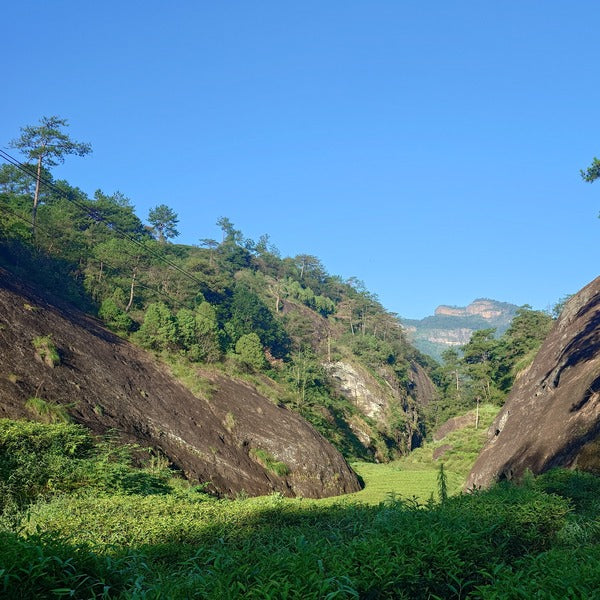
{"x":236,"y":304}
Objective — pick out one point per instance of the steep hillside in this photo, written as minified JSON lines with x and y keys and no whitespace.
{"x":452,"y":326}
{"x":552,"y":415}
{"x":235,"y":307}
{"x":231,"y":437}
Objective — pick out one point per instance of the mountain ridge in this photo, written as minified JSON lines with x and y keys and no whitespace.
{"x":452,"y":326}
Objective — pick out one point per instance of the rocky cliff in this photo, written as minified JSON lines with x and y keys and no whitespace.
{"x":552,"y":415}
{"x":452,"y":326}
{"x":230,"y":437}
{"x":387,"y":412}
{"x":486,"y":309}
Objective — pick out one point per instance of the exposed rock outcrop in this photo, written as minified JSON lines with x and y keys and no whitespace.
{"x":453,"y":424}
{"x":385,"y":402}
{"x":423,"y":389}
{"x":552,"y":415}
{"x":360,"y":388}
{"x":487,"y":309}
{"x":232,"y":437}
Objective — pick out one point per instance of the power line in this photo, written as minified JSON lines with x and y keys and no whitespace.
{"x":94,"y":215}
{"x":139,"y":283}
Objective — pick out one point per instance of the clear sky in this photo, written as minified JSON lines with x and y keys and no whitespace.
{"x":431,"y":149}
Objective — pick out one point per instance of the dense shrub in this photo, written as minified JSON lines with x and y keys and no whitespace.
{"x":39,"y":461}
{"x":506,"y":542}
{"x":272,"y":547}
{"x":250,"y":351}
{"x":114,"y":316}
{"x":159,"y":329}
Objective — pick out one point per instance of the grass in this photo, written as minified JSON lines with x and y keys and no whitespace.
{"x":270,"y":547}
{"x":415,"y":476}
{"x":47,"y":411}
{"x":269,"y":462}
{"x":394,"y":480}
{"x":46,"y":350}
{"x":191,"y":378}
{"x":465,"y":445}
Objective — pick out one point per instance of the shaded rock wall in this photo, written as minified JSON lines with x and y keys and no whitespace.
{"x":552,"y":415}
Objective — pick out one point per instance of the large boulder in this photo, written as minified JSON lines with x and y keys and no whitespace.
{"x":552,"y":415}
{"x":229,"y":436}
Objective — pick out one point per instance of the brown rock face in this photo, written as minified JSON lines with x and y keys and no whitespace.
{"x":552,"y":416}
{"x":451,"y":425}
{"x":484,"y":308}
{"x":234,"y":439}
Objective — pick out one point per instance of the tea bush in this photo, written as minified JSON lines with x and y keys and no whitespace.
{"x":279,"y":548}
{"x":93,"y":526}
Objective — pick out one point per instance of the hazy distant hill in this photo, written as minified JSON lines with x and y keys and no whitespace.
{"x":454,"y":325}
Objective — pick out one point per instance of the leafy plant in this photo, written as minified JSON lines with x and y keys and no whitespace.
{"x":46,"y":350}
{"x":38,"y":461}
{"x":269,"y":462}
{"x":48,"y":412}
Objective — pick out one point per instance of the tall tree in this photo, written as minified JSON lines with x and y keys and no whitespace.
{"x":479,"y":358}
{"x":230,"y":233}
{"x":47,"y":145}
{"x":164,"y":222}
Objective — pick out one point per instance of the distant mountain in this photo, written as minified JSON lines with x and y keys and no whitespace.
{"x":452,"y":326}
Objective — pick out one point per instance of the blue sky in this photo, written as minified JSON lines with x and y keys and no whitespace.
{"x":430,"y":149}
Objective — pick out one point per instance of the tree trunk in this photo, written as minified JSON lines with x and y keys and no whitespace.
{"x":131,"y":290}
{"x":36,"y":196}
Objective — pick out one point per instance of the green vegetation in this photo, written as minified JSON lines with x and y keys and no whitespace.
{"x":486,"y":367}
{"x":592,"y":172}
{"x":39,"y":461}
{"x":46,"y":350}
{"x":183,"y":544}
{"x":268,"y":461}
{"x":397,"y":480}
{"x":459,"y":449}
{"x":164,"y":222}
{"x":241,"y":308}
{"x":46,"y":144}
{"x":88,"y":518}
{"x":78,"y":520}
{"x":446,"y":325}
{"x":415,"y":476}
{"x":47,"y":412}
{"x":234,"y":304}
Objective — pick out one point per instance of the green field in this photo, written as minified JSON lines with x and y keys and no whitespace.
{"x":395,"y":480}
{"x":416,"y":475}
